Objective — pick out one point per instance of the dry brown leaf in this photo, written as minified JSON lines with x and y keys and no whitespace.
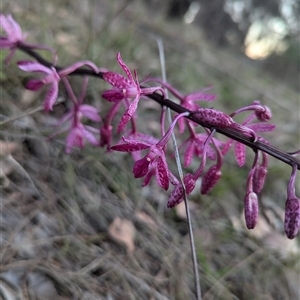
{"x":122,"y":231}
{"x":28,"y":97}
{"x":8,"y":147}
{"x":180,"y":211}
{"x":146,"y":219}
{"x":5,"y":168}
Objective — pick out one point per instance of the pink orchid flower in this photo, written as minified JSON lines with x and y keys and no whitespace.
{"x":126,"y":88}
{"x":154,"y":163}
{"x":193,"y":146}
{"x":154,"y":160}
{"x":52,"y":77}
{"x":15,"y":38}
{"x":78,"y":131}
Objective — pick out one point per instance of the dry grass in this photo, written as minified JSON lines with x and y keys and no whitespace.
{"x":79,"y":227}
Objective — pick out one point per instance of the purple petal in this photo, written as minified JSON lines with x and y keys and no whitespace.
{"x":200,"y":96}
{"x":128,"y":114}
{"x":117,"y":80}
{"x":262,"y":127}
{"x":6,"y":43}
{"x":124,"y":120}
{"x":141,"y":167}
{"x":15,"y":27}
{"x":148,"y":177}
{"x":77,"y":65}
{"x":210,"y":152}
{"x":90,"y":112}
{"x":113,"y":95}
{"x":124,"y":67}
{"x":131,"y":146}
{"x":240,"y":153}
{"x":34,"y":84}
{"x":32,"y":66}
{"x":51,"y":96}
{"x":189,"y":152}
{"x":74,"y":138}
{"x":150,"y":90}
{"x":181,"y":125}
{"x":146,"y":138}
{"x":89,"y":136}
{"x":10,"y":26}
{"x":162,"y":174}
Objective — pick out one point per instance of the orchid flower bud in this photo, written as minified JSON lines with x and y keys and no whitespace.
{"x":177,"y":194}
{"x":251,"y":209}
{"x":292,"y":217}
{"x":210,"y":179}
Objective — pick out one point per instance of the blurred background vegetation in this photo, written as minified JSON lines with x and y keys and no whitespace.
{"x":78,"y":226}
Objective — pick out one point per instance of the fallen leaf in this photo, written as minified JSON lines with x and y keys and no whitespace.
{"x":180,"y":209}
{"x":146,"y":219}
{"x":7,"y":147}
{"x":122,"y":231}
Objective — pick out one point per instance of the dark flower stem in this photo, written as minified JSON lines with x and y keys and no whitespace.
{"x":283,"y":156}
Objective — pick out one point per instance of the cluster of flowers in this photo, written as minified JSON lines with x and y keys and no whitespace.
{"x":127,"y":91}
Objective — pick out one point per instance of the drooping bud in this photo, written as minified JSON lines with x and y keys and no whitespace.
{"x":292,"y":208}
{"x":210,"y":179}
{"x":292,"y":217}
{"x":240,"y":153}
{"x":259,"y":177}
{"x":262,"y":112}
{"x":251,"y":209}
{"x":140,"y":168}
{"x":177,"y":194}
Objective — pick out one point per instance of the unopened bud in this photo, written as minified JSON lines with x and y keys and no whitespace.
{"x":292,"y":217}
{"x":259,"y":177}
{"x":177,"y":194}
{"x":210,"y":179}
{"x":251,"y":209}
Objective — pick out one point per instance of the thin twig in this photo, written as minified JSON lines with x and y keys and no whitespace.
{"x":179,"y":168}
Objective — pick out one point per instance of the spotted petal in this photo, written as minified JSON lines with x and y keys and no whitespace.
{"x":131,"y":145}
{"x":51,"y":96}
{"x":162,"y":174}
